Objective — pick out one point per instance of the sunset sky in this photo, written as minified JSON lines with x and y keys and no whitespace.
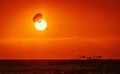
{"x":75,"y":27}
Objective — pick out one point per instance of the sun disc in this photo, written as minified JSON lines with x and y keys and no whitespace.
{"x":42,"y":25}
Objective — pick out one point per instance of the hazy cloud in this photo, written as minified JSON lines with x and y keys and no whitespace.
{"x":15,"y":39}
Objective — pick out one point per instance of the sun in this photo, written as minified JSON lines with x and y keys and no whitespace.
{"x":42,"y":25}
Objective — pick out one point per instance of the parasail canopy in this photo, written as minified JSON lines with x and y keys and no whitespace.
{"x":37,"y":17}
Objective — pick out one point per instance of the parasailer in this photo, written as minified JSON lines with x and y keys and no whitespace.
{"x":40,"y":23}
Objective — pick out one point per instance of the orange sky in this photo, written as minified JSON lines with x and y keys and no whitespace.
{"x":75,"y":27}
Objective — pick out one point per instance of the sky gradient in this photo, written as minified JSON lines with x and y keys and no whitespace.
{"x":75,"y":27}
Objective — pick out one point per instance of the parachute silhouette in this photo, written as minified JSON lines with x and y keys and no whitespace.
{"x":37,"y":17}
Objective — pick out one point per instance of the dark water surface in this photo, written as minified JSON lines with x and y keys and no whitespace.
{"x":59,"y":66}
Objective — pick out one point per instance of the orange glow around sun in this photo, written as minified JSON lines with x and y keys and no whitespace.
{"x":42,"y":25}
